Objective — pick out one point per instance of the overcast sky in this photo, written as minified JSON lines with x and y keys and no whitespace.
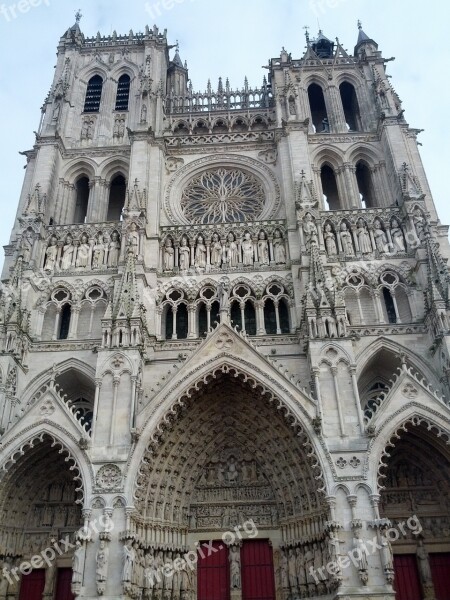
{"x":229,"y":39}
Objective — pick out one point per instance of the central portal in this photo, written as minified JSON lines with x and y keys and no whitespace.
{"x":228,"y":473}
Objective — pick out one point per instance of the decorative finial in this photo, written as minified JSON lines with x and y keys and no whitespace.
{"x":178,"y":46}
{"x":306,"y":28}
{"x":359,"y":24}
{"x":78,"y":15}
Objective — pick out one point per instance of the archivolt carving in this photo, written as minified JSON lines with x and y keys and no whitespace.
{"x":205,"y":421}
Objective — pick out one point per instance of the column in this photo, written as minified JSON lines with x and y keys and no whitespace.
{"x":338,"y":401}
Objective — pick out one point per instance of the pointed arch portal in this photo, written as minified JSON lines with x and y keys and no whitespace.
{"x":228,"y":458}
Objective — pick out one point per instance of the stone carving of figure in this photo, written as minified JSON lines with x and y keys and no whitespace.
{"x":423,"y":563}
{"x":279,"y":250}
{"x":101,"y":559}
{"x":26,"y":245}
{"x":216,"y":251}
{"x":232,"y":473}
{"x":224,"y":296}
{"x":300,"y":569}
{"x":200,"y":253}
{"x":361,"y":551}
{"x":144,"y":113}
{"x":83,"y":252}
{"x":419,"y":224}
{"x":184,"y":254}
{"x":235,"y":568}
{"x":150,"y":572}
{"x":346,"y":240}
{"x":77,"y":563}
{"x":114,"y":250}
{"x":309,"y":564}
{"x":100,"y":249}
{"x":247,"y":250}
{"x":284,"y":570}
{"x":133,"y":239}
{"x":169,"y":255}
{"x":325,"y":125}
{"x":397,"y":236}
{"x":129,"y":556}
{"x":386,"y":552}
{"x":310,"y":231}
{"x":330,"y":240}
{"x":263,"y":249}
{"x":232,"y":251}
{"x":379,"y":237}
{"x":292,"y":571}
{"x":365,"y":245}
{"x":51,"y":254}
{"x":68,"y":251}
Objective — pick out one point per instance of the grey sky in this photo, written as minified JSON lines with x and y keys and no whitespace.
{"x":230,"y":39}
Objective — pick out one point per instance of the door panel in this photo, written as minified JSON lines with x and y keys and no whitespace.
{"x":407,"y":582}
{"x":440,"y":570}
{"x":32,"y":585}
{"x":213,"y":573}
{"x":258,"y":581}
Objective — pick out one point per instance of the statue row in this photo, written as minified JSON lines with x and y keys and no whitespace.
{"x":359,"y":239}
{"x":227,"y":253}
{"x":100,"y":253}
{"x":300,"y":569}
{"x":157,"y":574}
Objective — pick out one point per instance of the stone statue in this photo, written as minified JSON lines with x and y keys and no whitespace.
{"x":26,"y":245}
{"x":235,"y":568}
{"x":169,"y":255}
{"x":292,"y":571}
{"x":129,"y":556}
{"x":310,"y":231}
{"x":284,"y":570}
{"x":247,"y":250}
{"x":114,"y":250}
{"x":330,"y":240}
{"x":101,"y":559}
{"x":263,"y":249}
{"x":300,"y":569}
{"x":184,"y":254}
{"x":216,"y":251}
{"x":423,"y":563}
{"x":200,"y":253}
{"x":386,"y":552}
{"x":133,"y":239}
{"x":365,"y":245}
{"x":325,"y":125}
{"x":51,"y":254}
{"x":379,"y":237}
{"x":363,"y":565}
{"x":100,"y":249}
{"x":279,"y":250}
{"x":68,"y":252}
{"x":232,"y":251}
{"x":77,"y":563}
{"x":397,"y":236}
{"x":346,"y":240}
{"x":419,"y":224}
{"x":83,"y":252}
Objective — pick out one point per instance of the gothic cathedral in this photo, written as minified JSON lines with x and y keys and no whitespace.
{"x":224,"y":336}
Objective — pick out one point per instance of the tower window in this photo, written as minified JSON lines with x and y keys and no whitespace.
{"x":390,"y":307}
{"x":82,"y":200}
{"x":318,"y":109}
{"x":329,"y":188}
{"x":64,"y":325}
{"x":123,"y":93}
{"x":350,"y":106}
{"x":365,"y":185}
{"x":117,"y":193}
{"x":93,"y":94}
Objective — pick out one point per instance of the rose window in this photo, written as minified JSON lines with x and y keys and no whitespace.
{"x":223,"y":196}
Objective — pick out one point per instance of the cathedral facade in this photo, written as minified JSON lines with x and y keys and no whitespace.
{"x":224,"y":336}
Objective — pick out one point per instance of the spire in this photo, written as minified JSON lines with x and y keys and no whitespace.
{"x":127,"y":296}
{"x":364,"y":39}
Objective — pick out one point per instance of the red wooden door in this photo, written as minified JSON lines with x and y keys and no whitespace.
{"x":440,"y":570}
{"x":213,"y":573}
{"x":407,"y":582}
{"x":258,"y":582}
{"x":63,"y":585}
{"x":32,"y":585}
